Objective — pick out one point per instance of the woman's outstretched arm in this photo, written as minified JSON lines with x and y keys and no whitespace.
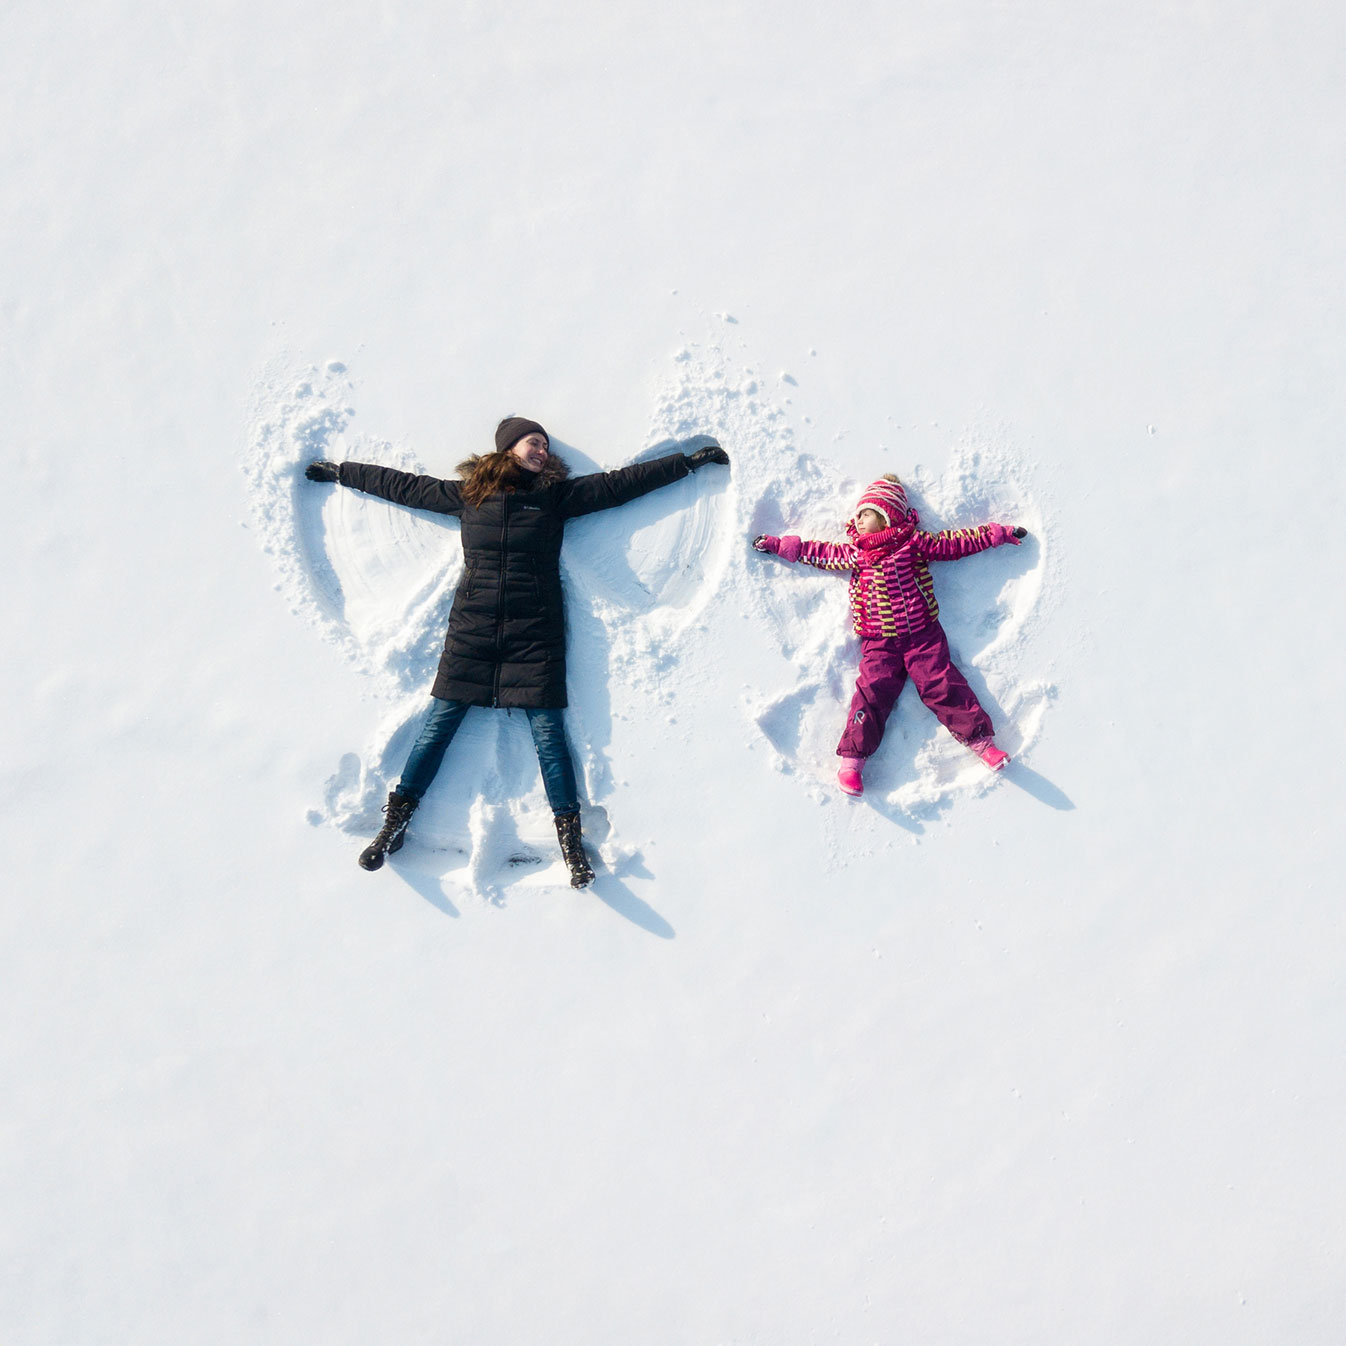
{"x":604,"y":490}
{"x":401,"y":488}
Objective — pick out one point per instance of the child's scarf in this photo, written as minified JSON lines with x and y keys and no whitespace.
{"x":875,"y":548}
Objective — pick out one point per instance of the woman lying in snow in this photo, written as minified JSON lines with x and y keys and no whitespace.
{"x":896,"y":616}
{"x":506,"y":639}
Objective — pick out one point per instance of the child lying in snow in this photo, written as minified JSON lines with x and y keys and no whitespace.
{"x":896,"y":616}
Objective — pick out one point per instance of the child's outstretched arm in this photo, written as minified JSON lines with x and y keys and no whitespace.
{"x":954,"y":543}
{"x":824,"y":555}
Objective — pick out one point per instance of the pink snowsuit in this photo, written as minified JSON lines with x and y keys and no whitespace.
{"x":895,"y":614}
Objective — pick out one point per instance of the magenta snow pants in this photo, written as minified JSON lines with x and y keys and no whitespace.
{"x":885,"y":662}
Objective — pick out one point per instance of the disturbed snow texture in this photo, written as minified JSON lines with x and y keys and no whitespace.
{"x":377,"y":582}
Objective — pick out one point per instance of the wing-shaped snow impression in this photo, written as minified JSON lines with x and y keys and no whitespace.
{"x":377,"y":582}
{"x":988,"y":603}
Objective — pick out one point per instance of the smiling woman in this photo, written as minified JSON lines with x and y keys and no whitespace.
{"x":505,"y":646}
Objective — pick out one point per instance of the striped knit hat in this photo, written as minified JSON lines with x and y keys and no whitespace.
{"x":885,"y":497}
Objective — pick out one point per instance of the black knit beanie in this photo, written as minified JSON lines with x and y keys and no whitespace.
{"x":513,"y":428}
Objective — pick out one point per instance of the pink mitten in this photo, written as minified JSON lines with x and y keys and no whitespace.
{"x":785,"y":547}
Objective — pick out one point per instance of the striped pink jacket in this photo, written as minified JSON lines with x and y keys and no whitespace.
{"x":892,"y":593}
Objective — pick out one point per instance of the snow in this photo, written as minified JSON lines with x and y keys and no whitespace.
{"x":1054,"y":1055}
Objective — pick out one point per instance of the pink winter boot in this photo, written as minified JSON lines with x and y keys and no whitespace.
{"x":986,"y":749}
{"x":849,"y":775}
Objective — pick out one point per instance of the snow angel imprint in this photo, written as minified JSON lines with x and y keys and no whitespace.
{"x":895,"y":614}
{"x":505,"y":644}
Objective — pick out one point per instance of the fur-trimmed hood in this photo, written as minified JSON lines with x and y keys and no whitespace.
{"x":487,"y":474}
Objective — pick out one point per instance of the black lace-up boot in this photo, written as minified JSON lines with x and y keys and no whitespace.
{"x":572,"y":848}
{"x":399,"y":809}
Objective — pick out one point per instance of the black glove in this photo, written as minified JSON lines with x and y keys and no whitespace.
{"x":711,"y":454}
{"x":322,"y":470}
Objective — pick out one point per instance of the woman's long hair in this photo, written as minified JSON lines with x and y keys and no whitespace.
{"x":488,"y":474}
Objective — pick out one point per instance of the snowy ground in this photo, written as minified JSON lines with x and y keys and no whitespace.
{"x":1050,"y":1057}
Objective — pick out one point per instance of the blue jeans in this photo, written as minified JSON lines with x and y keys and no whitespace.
{"x":549,"y":738}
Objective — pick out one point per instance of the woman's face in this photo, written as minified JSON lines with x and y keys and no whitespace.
{"x":531,"y":451}
{"x":869,"y":521}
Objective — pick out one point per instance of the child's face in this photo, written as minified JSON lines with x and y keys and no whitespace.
{"x":869,"y":521}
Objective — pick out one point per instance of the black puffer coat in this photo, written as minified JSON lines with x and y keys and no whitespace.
{"x":506,"y":640}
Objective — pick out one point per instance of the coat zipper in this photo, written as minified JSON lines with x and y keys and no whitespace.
{"x":500,"y":597}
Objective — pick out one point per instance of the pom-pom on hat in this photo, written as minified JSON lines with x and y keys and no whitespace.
{"x":513,"y":428}
{"x":885,"y":497}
